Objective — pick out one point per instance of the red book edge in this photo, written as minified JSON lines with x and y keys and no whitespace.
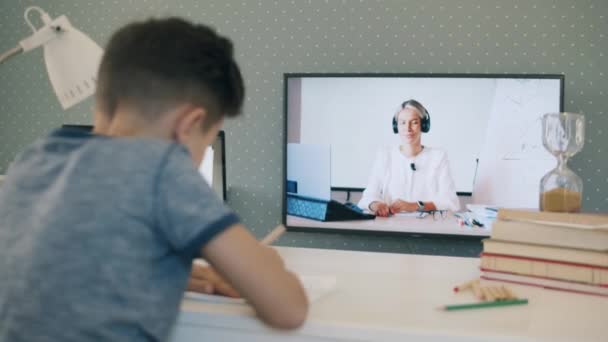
{"x":483,"y":269}
{"x":507,"y":256}
{"x":548,"y":287}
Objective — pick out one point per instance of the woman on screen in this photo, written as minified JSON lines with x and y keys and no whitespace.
{"x":410,"y":177}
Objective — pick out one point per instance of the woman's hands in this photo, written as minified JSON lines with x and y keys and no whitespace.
{"x":403,"y":206}
{"x":384,"y":210}
{"x":380,"y":208}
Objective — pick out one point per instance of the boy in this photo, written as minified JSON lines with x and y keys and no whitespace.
{"x":98,"y":232}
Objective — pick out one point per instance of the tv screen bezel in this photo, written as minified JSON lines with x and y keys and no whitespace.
{"x":287,"y":76}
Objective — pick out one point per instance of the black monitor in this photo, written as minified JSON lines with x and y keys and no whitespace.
{"x":213,"y":167}
{"x":488,"y":125}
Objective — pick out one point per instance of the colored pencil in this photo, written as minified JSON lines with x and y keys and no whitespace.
{"x":481,"y":305}
{"x":273,"y":235}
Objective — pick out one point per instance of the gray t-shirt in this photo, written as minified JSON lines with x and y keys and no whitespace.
{"x":97,"y":236}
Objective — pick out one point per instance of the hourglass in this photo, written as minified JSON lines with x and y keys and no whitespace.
{"x":561,"y":189}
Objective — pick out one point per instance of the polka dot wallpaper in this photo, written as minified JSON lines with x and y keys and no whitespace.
{"x":274,"y":37}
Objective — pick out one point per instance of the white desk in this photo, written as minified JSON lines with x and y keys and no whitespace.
{"x":393,"y":297}
{"x":401,"y":224}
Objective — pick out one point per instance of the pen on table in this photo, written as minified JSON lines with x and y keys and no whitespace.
{"x":477,"y":223}
{"x":481,"y":305}
{"x":273,"y":235}
{"x":462,"y":221}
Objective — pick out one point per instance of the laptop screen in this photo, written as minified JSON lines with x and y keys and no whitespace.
{"x":213,"y":166}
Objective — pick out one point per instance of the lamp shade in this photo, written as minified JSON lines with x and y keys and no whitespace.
{"x":72,"y":60}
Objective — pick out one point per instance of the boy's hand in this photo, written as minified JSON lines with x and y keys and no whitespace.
{"x":204,"y":279}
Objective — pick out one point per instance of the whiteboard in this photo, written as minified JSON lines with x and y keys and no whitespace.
{"x":513,"y":159}
{"x":353,"y":115}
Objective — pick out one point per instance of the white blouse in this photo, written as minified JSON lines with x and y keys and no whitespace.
{"x":392,"y":178}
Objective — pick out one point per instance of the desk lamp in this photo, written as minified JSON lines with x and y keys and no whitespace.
{"x":71,"y":57}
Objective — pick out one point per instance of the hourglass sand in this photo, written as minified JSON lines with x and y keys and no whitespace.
{"x":561,"y":190}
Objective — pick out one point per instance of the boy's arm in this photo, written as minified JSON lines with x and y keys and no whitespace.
{"x":257,"y":272}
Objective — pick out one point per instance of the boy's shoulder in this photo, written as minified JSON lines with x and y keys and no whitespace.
{"x":111,"y":147}
{"x":79,"y":152}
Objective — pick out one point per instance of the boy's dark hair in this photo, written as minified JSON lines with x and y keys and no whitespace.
{"x":158,"y":64}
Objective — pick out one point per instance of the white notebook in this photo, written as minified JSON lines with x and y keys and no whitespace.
{"x":314,"y":286}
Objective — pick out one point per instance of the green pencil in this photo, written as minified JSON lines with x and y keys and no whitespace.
{"x":485,"y":304}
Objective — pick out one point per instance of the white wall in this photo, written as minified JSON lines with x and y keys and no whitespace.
{"x":354,"y":115}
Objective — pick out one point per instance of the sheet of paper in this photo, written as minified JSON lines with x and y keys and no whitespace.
{"x":481,"y":210}
{"x":314,"y":286}
{"x":212,"y":298}
{"x":408,"y":214}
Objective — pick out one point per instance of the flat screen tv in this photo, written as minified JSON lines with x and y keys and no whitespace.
{"x":344,"y":134}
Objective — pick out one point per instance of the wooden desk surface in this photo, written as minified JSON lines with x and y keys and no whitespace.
{"x":401,"y":224}
{"x":393,"y":297}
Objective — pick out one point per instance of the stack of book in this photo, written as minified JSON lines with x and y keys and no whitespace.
{"x":560,"y":251}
